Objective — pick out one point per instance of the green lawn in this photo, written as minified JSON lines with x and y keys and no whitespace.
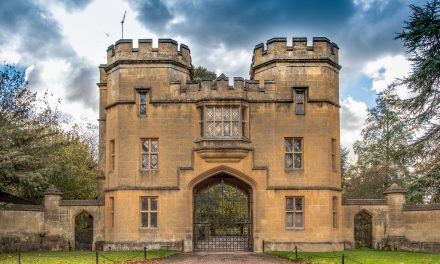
{"x":365,"y":256}
{"x":81,"y":257}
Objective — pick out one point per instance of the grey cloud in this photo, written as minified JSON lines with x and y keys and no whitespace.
{"x":74,"y":5}
{"x":37,"y":37}
{"x":80,"y":82}
{"x":362,"y":34}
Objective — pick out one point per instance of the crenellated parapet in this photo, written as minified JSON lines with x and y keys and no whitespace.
{"x":168,"y":50}
{"x":277,"y":50}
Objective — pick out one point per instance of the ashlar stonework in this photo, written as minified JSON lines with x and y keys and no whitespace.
{"x":268,"y":145}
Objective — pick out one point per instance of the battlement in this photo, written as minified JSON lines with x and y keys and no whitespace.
{"x":278,"y":50}
{"x":167,"y":50}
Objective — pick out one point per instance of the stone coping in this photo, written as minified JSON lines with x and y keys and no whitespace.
{"x":21,"y":207}
{"x":346,"y":201}
{"x":421,"y":207}
{"x":81,"y":202}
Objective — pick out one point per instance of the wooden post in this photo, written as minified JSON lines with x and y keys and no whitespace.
{"x":97,"y":257}
{"x":296,"y":252}
{"x":19,"y":256}
{"x":145,"y":252}
{"x":343,"y":259}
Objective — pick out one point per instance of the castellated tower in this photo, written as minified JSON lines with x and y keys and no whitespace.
{"x":220,"y":165}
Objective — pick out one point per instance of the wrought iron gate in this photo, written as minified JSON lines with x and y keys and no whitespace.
{"x":222,"y":218}
{"x":362,"y":230}
{"x":83,"y":231}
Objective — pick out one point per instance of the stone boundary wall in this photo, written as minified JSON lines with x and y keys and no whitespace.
{"x":49,"y":226}
{"x":395,"y":224}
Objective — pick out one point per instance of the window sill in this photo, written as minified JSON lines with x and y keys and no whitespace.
{"x":293,"y":170}
{"x":148,"y":229}
{"x":295,"y":228}
{"x":149,"y":172}
{"x":201,"y":139}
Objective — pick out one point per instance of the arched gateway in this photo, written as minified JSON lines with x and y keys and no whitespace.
{"x":222,"y":217}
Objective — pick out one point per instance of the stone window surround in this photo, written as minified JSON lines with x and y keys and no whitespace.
{"x":112,"y":211}
{"x":243,"y":127}
{"x":333,"y":154}
{"x":293,"y":154}
{"x":295,"y":212}
{"x":149,"y":153}
{"x":142,"y":90}
{"x":296,"y":91}
{"x":112,"y":155}
{"x":149,"y":211}
{"x":335,"y":211}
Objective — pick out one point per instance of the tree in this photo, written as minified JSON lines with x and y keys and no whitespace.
{"x":421,"y":38}
{"x":382,"y":158}
{"x":201,"y":73}
{"x":34,"y":150}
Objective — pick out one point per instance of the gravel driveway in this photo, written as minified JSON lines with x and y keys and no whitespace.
{"x":233,"y":257}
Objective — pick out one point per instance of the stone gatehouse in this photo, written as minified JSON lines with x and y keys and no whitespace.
{"x":222,"y":165}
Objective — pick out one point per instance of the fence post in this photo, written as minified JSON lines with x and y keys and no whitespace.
{"x":19,"y":256}
{"x":296,"y":252}
{"x":97,"y":257}
{"x":145,"y":252}
{"x":183,"y":245}
{"x":343,"y":259}
{"x":263,"y":246}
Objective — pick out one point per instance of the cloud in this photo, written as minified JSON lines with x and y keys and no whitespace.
{"x":364,"y":29}
{"x":385,"y":70}
{"x":34,"y":36}
{"x":353,"y":115}
{"x":74,"y":5}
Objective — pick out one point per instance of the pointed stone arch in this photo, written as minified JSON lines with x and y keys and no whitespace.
{"x":222,"y":169}
{"x":83,"y":230}
{"x":222,"y":210}
{"x":363,"y":229}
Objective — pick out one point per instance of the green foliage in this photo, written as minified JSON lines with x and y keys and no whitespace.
{"x":201,"y":73}
{"x":421,"y":37}
{"x":222,"y":205}
{"x":382,"y":156}
{"x":34,"y":150}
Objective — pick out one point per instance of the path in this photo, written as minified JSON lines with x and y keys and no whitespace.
{"x":228,"y":258}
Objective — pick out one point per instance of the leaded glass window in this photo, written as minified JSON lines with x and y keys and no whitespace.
{"x":149,"y":154}
{"x":149,"y":212}
{"x":294,"y":212}
{"x":142,"y":104}
{"x":299,"y":98}
{"x":221,"y":121}
{"x":293,"y":153}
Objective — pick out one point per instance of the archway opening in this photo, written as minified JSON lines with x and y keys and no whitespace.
{"x":83,"y":231}
{"x":222,"y":217}
{"x":363,"y":230}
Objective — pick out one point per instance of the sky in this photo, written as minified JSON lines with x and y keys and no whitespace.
{"x":60,"y":43}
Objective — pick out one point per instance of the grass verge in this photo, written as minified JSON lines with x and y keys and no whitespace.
{"x":82,"y":257}
{"x":364,"y":256}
